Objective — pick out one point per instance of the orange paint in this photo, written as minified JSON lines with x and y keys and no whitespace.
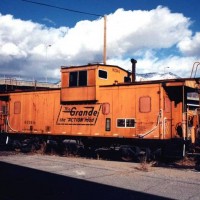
{"x":101,"y":101}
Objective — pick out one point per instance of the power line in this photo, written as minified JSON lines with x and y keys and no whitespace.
{"x":80,"y":12}
{"x":61,"y":8}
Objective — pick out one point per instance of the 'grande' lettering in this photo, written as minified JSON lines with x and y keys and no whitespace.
{"x":88,"y":111}
{"x":79,"y":114}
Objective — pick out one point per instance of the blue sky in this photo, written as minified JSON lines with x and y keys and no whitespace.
{"x":28,"y":11}
{"x":36,"y":40}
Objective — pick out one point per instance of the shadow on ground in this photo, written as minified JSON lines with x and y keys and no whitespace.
{"x":22,"y":183}
{"x":190,"y":163}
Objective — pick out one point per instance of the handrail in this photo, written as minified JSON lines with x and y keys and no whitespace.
{"x":198,"y":63}
{"x":154,"y":128}
{"x":9,"y":126}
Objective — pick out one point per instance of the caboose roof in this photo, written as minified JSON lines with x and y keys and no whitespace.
{"x":188,"y":82}
{"x":89,"y":65}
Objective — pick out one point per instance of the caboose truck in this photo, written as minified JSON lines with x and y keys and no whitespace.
{"x":102,"y":107}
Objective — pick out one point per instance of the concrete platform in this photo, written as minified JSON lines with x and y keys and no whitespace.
{"x":25,"y":176}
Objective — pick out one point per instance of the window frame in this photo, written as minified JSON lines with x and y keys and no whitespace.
{"x":103,"y":71}
{"x":125,"y":123}
{"x":71,"y":82}
{"x":78,"y":81}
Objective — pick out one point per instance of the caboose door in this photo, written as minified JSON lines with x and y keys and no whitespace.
{"x":167,"y":118}
{"x":3,"y":113}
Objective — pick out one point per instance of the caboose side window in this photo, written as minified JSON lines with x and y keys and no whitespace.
{"x":130,"y":123}
{"x":78,"y":78}
{"x":17,"y":107}
{"x":120,"y":122}
{"x":126,"y":123}
{"x":103,"y":74}
{"x":82,"y":78}
{"x":145,"y":104}
{"x":73,"y":79}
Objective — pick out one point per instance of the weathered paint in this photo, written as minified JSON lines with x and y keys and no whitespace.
{"x":103,"y":108}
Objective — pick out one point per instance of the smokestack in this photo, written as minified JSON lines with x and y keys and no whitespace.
{"x":133,"y":61}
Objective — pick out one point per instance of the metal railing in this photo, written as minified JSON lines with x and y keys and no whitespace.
{"x":15,"y":82}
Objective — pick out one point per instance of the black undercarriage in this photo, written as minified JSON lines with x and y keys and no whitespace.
{"x":127,"y":149}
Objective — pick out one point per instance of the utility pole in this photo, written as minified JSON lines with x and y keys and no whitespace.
{"x":104,"y":44}
{"x":46,"y":62}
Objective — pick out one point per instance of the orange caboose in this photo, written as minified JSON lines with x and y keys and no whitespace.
{"x":103,"y":107}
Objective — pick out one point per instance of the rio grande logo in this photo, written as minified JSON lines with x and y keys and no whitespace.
{"x":78,"y":115}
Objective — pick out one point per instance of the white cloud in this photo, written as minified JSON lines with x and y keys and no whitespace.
{"x":133,"y":30}
{"x":190,"y":45}
{"x":25,"y":50}
{"x":180,"y":66}
{"x":49,"y":21}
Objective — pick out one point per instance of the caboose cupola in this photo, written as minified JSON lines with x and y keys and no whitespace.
{"x":81,"y":83}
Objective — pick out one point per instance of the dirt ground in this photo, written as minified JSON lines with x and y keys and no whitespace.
{"x":191,"y":162}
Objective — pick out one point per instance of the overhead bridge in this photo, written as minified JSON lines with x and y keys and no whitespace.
{"x":11,"y":84}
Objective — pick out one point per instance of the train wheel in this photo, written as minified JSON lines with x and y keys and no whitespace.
{"x":145,"y":155}
{"x":26,"y":146}
{"x":16,"y":145}
{"x":43,"y":147}
{"x":70,"y":147}
{"x":129,"y":153}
